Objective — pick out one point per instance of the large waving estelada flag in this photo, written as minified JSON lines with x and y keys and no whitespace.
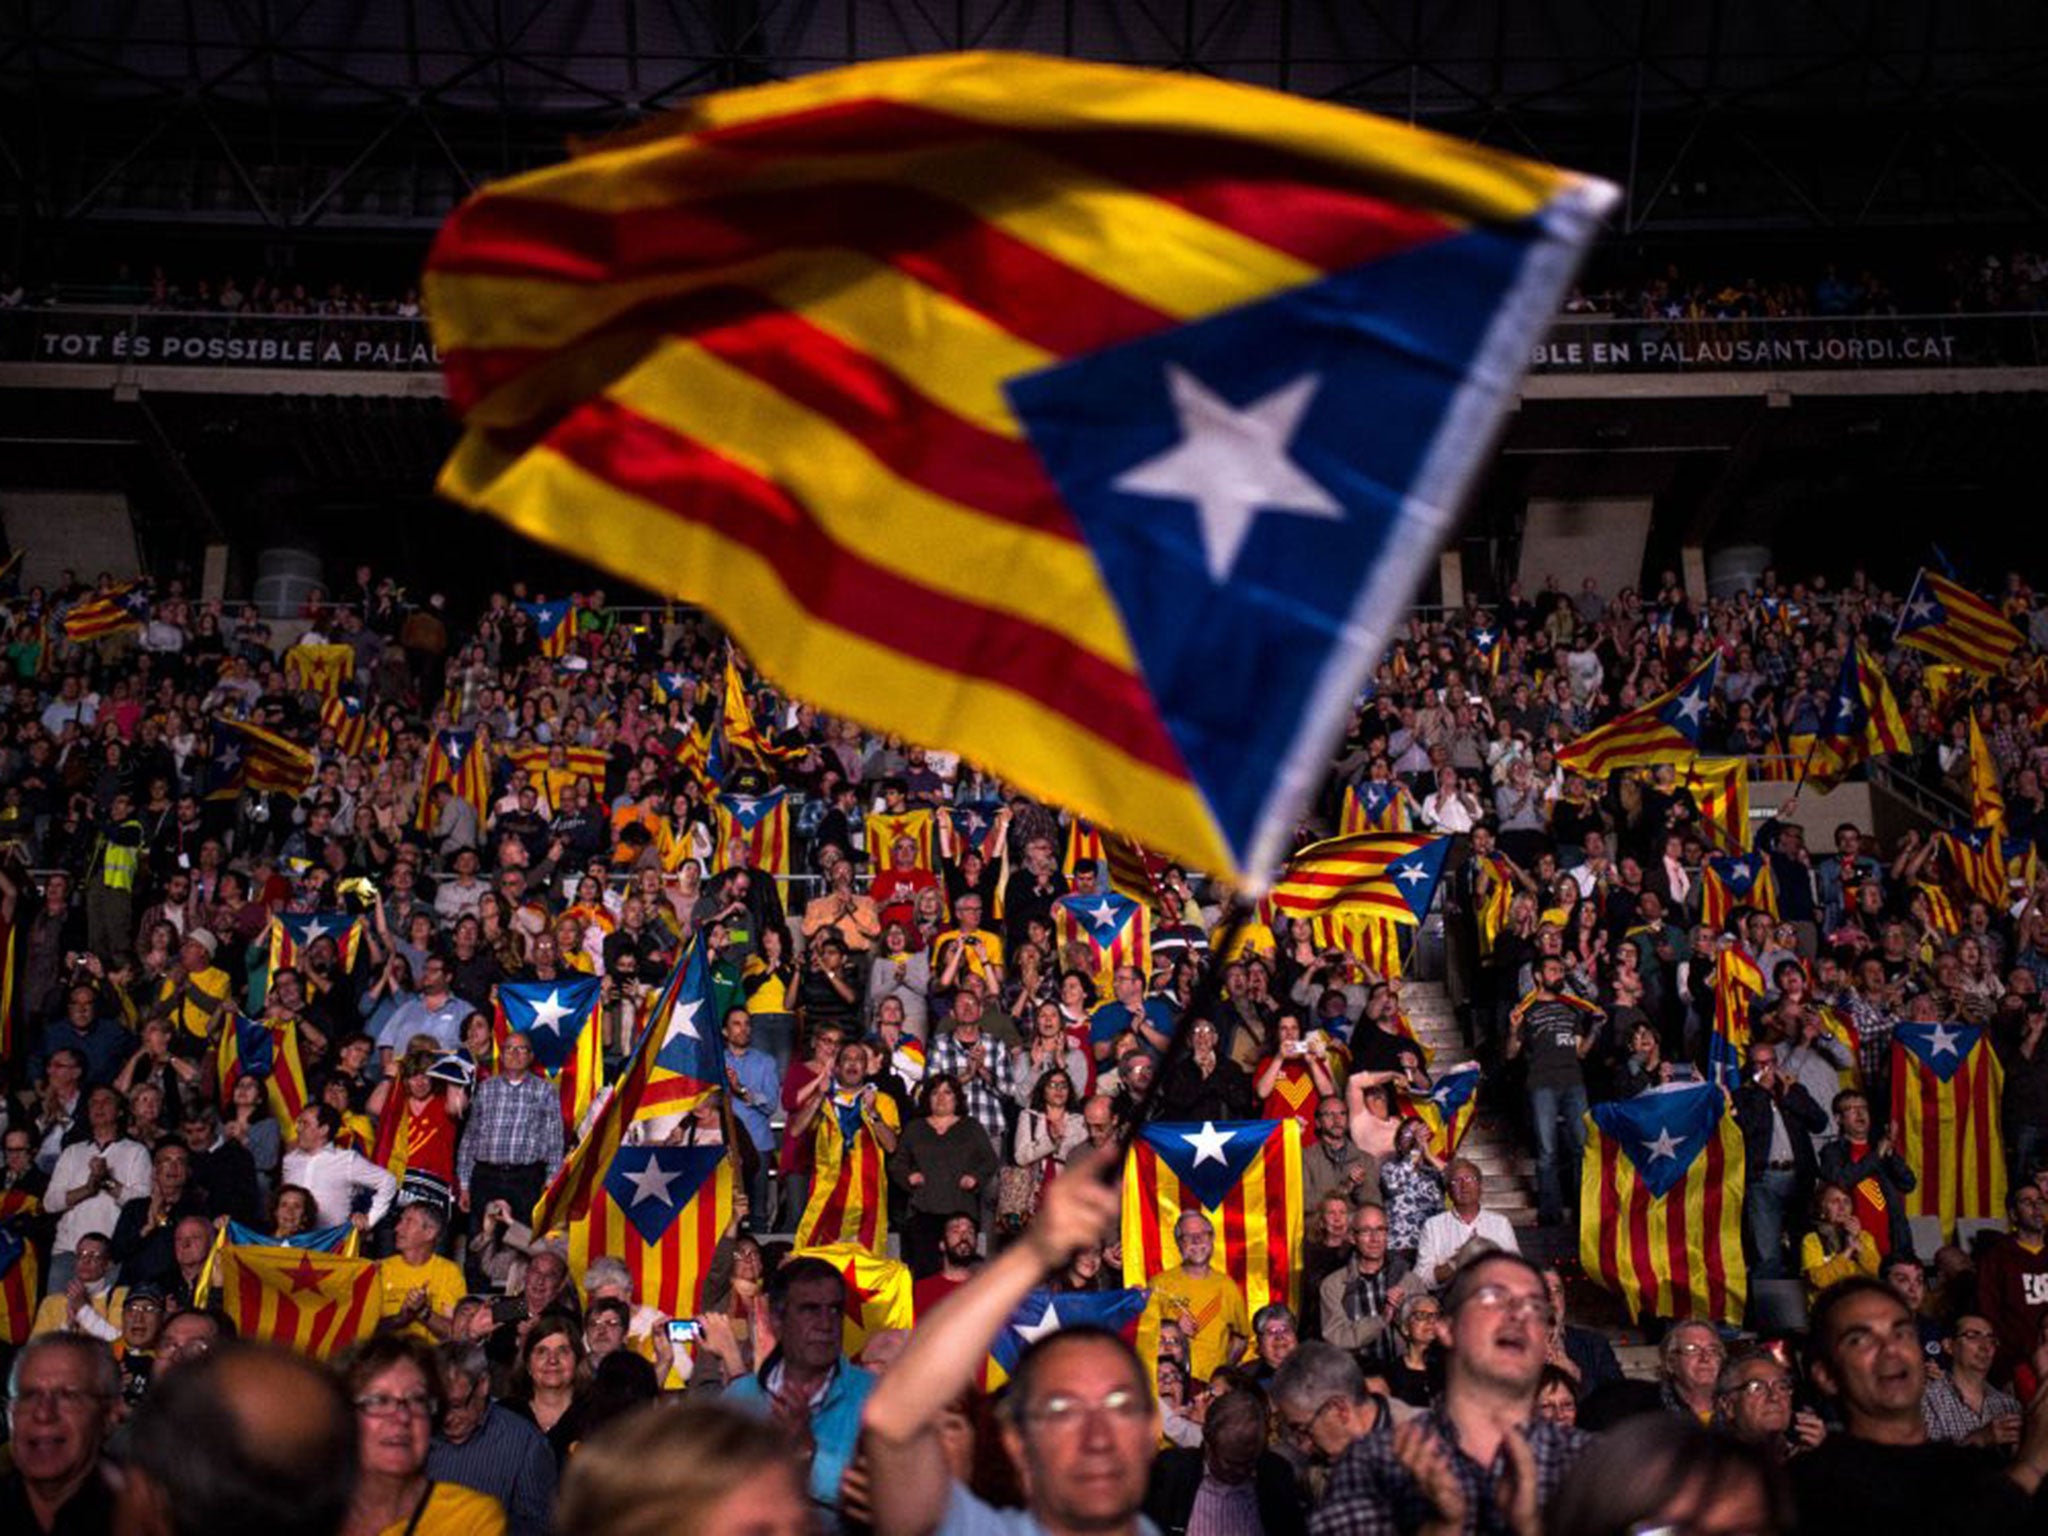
{"x":1116,"y":930}
{"x":313,"y":1302}
{"x":1374,"y":806}
{"x":757,"y":823}
{"x":559,"y":1018}
{"x":1660,"y":1203}
{"x":880,"y":1296}
{"x":1446,"y":1111}
{"x":660,"y":1211}
{"x":1947,"y":1084}
{"x":845,"y":356}
{"x":1951,"y":623}
{"x":1046,"y":1312}
{"x":742,"y":734}
{"x":1245,"y":1176}
{"x":1384,"y":874}
{"x":20,"y":1284}
{"x":1728,"y":883}
{"x":1666,"y":729}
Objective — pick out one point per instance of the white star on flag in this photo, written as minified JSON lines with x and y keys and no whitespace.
{"x":1691,"y":705}
{"x":1666,"y":1145}
{"x":1209,"y":1143}
{"x":229,"y":756}
{"x":651,"y":1183}
{"x":682,"y":1019}
{"x":549,"y":1012}
{"x":1103,"y":915}
{"x":1233,"y":464}
{"x":1942,"y":1042}
{"x":314,"y":930}
{"x":1919,"y":610}
{"x":1412,"y":874}
{"x":1031,"y":1333}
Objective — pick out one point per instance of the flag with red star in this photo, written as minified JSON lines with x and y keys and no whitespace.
{"x":316,"y":1303}
{"x":878,"y":1291}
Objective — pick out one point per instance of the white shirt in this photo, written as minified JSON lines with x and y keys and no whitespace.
{"x":129,"y":1163}
{"x":1446,"y":1232}
{"x":1449,"y":813}
{"x":334,"y":1176}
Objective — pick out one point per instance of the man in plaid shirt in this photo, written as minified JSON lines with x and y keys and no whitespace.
{"x":1476,"y":1461}
{"x":982,"y":1066}
{"x":513,"y":1141}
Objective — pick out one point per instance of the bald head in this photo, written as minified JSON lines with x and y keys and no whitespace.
{"x":246,"y":1439}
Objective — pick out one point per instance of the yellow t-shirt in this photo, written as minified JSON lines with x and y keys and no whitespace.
{"x":440,"y":1278}
{"x":453,"y":1510}
{"x":191,"y":1014}
{"x":1218,"y":1309}
{"x":978,"y":962}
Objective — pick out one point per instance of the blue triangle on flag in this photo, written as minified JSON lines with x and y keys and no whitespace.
{"x":551,"y":1014}
{"x":1104,"y":915}
{"x":1940,"y":1048}
{"x":651,"y":1185}
{"x":1044,"y":1312}
{"x":1662,"y":1132}
{"x":1415,"y":875}
{"x":1454,"y":1088}
{"x":1211,"y":1157}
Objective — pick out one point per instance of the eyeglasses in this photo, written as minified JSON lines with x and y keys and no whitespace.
{"x":1778,"y":1390}
{"x":1304,"y":1432}
{"x":1975,"y":1335}
{"x":1697,"y":1348}
{"x":1498,"y":1298}
{"x":63,"y":1399}
{"x":383,"y":1405}
{"x":1065,"y":1415}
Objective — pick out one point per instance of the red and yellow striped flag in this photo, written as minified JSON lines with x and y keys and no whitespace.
{"x":660,"y":1211}
{"x":1660,"y":1203}
{"x":849,"y":355}
{"x":1948,"y":621}
{"x":316,"y":1303}
{"x":1720,"y":789}
{"x":1245,"y":1176}
{"x":321,"y":669}
{"x":1946,"y":1086}
{"x":461,"y":760}
{"x":885,"y":828}
{"x":20,"y":1280}
{"x":1987,"y":793}
{"x":1388,"y":874}
{"x":849,"y":1189}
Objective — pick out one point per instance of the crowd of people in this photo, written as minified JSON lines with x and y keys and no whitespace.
{"x":926,"y":1008}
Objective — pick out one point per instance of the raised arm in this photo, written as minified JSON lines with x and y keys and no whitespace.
{"x":907,"y":1466}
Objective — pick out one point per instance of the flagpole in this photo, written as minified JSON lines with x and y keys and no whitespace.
{"x":1208,"y":992}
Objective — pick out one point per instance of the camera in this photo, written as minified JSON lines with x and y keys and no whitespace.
{"x":684,"y":1330}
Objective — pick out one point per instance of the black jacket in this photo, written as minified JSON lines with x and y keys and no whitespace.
{"x":1804,"y":1119}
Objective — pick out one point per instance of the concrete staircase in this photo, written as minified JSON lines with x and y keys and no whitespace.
{"x":1509,"y":1172}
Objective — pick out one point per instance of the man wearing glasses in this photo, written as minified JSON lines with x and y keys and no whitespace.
{"x":61,"y":1398}
{"x":1475,"y":1459}
{"x":1323,"y":1405}
{"x":1963,"y":1405}
{"x":1753,"y":1402}
{"x":488,"y":1448}
{"x":1078,"y":1419}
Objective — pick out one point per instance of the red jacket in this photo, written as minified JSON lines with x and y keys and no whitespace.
{"x":2012,"y":1293}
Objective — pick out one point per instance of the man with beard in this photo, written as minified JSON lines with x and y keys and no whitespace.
{"x":959,"y":1246}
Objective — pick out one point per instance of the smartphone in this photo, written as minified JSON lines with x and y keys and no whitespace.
{"x":684,"y":1330}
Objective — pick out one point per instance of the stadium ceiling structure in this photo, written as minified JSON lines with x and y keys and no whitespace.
{"x":305,"y":117}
